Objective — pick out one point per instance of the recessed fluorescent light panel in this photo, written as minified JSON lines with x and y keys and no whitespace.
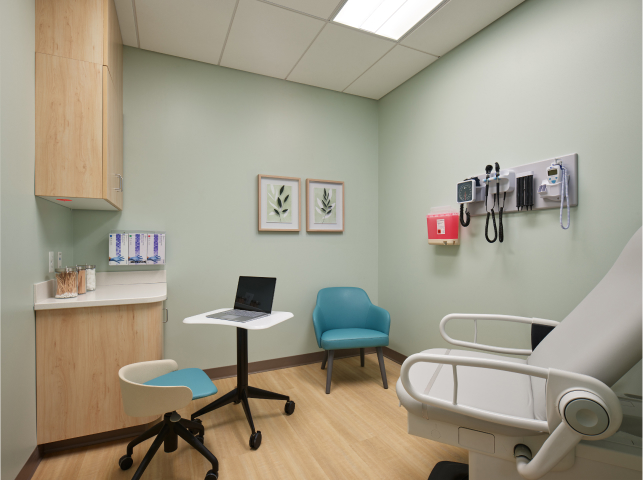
{"x":389,"y":18}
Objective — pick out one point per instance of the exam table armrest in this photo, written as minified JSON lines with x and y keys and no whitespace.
{"x":490,"y":348}
{"x":566,"y":427}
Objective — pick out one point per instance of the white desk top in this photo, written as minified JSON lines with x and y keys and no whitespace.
{"x":118,"y":288}
{"x":258,"y":324}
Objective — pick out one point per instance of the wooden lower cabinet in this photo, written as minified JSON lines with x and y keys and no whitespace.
{"x":78,"y":354}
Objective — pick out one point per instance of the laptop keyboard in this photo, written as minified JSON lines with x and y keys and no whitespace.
{"x":245,"y":313}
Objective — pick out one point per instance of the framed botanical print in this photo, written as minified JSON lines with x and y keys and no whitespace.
{"x":324,"y":206}
{"x":279,"y":204}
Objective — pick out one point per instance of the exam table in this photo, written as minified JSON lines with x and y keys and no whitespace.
{"x":552,"y":415}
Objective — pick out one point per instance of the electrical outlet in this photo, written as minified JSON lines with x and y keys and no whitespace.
{"x":60,"y":259}
{"x":51,"y":262}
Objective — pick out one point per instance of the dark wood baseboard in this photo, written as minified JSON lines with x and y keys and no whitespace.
{"x":88,"y":440}
{"x":31,"y":465}
{"x":214,"y":373}
{"x":297,"y":360}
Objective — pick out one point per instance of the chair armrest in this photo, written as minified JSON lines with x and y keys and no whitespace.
{"x":490,"y":348}
{"x":319,"y":324}
{"x":378,"y":319}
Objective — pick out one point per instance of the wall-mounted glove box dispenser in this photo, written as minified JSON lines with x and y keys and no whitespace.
{"x":136,"y":248}
{"x":534,"y":186}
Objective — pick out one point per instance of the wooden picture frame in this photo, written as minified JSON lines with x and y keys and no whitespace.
{"x":279,"y":217}
{"x":315,"y":205}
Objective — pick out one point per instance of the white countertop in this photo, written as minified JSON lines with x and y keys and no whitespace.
{"x":112,"y":288}
{"x":259,"y":324}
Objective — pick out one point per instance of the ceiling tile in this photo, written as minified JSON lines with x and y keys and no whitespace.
{"x":125,"y":14}
{"x":395,"y":68}
{"x":338,"y":56}
{"x":268,"y":40}
{"x":194,"y":29}
{"x":319,"y":8}
{"x":455,"y":22}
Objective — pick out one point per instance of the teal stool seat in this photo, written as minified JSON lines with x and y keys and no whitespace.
{"x":193,"y":378}
{"x":353,"y":338}
{"x":344,"y":317}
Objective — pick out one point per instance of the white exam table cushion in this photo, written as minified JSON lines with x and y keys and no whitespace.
{"x":601,"y":337}
{"x":493,"y":390}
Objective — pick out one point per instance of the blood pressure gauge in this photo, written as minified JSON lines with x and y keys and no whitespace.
{"x":466,"y":191}
{"x":554,"y":175}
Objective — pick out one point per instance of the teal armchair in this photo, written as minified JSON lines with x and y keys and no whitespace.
{"x":344,"y":317}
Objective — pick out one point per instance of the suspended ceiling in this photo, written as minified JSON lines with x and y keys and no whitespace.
{"x":296,"y":40}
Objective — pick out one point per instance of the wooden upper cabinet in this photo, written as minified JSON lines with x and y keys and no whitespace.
{"x":112,"y":142}
{"x":70,"y":29}
{"x":69,"y":132}
{"x":113,"y":45}
{"x":79,"y":104}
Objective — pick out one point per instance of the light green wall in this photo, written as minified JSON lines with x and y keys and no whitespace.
{"x":30,"y":228}
{"x":196,"y":136}
{"x":549,"y":78}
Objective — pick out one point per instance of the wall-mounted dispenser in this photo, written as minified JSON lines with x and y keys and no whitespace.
{"x":443,"y":226}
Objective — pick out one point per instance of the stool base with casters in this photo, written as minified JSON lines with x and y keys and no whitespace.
{"x":243,"y":392}
{"x":167,"y":432}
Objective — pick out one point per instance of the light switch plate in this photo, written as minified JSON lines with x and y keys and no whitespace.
{"x":60,"y":259}
{"x":51,"y":262}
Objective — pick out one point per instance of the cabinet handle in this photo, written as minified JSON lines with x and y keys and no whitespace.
{"x":167,"y":316}
{"x":120,"y":182}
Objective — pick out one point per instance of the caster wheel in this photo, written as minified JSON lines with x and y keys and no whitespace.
{"x":289,"y":408}
{"x":255,"y":440}
{"x":211,"y":475}
{"x":125,"y":462}
{"x":199,"y":438}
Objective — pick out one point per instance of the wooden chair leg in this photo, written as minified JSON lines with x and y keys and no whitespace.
{"x":331,"y":355}
{"x":325,"y":359}
{"x":380,"y":358}
{"x":361,"y":356}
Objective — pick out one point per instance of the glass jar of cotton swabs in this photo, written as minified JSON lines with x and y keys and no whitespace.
{"x":66,"y":282}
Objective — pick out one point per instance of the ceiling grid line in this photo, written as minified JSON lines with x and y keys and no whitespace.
{"x":306,"y":51}
{"x":364,"y":72}
{"x":283,"y":7}
{"x":225,"y":42}
{"x":421,"y":51}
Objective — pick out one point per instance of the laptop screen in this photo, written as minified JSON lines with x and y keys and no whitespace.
{"x":255,"y":294}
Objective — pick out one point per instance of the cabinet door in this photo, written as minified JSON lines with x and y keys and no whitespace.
{"x":113,"y":45}
{"x":70,"y":29}
{"x":79,"y":352}
{"x":69,"y":133}
{"x":113,"y":183}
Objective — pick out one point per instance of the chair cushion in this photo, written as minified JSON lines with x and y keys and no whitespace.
{"x":193,"y":378}
{"x":352,"y":338}
{"x":494,"y":390}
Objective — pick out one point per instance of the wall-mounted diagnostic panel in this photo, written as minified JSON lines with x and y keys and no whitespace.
{"x":533,"y":186}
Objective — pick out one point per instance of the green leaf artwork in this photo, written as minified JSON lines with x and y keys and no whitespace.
{"x":325,"y":201}
{"x":279,"y":203}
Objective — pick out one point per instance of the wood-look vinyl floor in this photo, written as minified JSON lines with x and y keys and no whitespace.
{"x":356,"y":432}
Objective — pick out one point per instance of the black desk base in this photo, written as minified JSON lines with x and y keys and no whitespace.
{"x":243,"y":392}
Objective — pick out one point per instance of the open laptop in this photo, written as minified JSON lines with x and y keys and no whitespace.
{"x":253,"y":300}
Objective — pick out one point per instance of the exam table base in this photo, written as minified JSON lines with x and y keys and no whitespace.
{"x":450,"y":471}
{"x":243,"y":392}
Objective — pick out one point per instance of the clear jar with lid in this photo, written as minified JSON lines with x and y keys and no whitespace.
{"x":66,"y":282}
{"x":90,"y":273}
{"x":82,"y":279}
